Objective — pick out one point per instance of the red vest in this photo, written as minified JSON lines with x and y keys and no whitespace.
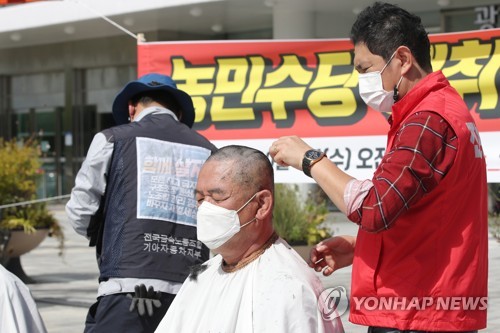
{"x":429,"y":271}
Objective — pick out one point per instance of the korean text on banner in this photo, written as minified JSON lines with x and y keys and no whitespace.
{"x":252,"y":92}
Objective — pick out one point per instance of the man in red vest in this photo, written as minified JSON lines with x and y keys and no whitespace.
{"x":420,"y":259}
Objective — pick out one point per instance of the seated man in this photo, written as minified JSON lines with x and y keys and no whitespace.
{"x":257,"y":282}
{"x":18,"y":311}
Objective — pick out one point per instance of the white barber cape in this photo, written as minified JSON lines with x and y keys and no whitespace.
{"x":275,"y":293}
{"x":18,"y":311}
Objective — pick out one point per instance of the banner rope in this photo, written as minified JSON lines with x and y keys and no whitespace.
{"x":34,"y":201}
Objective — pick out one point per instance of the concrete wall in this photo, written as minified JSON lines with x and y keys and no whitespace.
{"x":102,"y":52}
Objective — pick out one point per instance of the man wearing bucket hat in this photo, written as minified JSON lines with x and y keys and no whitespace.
{"x":133,"y":199}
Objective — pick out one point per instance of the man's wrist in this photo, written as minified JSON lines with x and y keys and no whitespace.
{"x":311,"y":157}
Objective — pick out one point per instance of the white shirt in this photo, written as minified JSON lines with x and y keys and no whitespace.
{"x":275,"y":293}
{"x":18,"y":311}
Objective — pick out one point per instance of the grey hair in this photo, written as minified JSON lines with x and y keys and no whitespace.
{"x":252,"y":169}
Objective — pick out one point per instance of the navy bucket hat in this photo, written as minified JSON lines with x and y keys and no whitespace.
{"x":152,"y":82}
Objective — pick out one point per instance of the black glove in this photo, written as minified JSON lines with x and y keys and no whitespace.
{"x":144,"y":300}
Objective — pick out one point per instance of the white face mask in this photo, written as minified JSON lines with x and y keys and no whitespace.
{"x":217,"y":225}
{"x":371,"y":90}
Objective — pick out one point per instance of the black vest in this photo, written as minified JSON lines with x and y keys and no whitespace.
{"x":149,"y":208}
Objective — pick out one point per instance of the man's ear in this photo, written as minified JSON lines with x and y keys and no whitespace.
{"x":131,"y":111}
{"x":403,"y":53}
{"x":265,"y":200}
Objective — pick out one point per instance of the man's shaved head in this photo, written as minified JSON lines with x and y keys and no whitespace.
{"x":251,"y":169}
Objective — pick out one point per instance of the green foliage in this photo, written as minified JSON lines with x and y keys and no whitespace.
{"x":19,"y":168}
{"x":296,"y":222}
{"x":494,"y":214}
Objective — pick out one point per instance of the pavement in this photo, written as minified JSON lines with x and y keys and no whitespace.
{"x":66,"y":285}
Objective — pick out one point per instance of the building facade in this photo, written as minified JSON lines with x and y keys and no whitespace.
{"x":62,"y":62}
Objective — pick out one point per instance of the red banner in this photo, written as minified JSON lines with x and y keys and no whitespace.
{"x":264,"y":89}
{"x":9,"y":2}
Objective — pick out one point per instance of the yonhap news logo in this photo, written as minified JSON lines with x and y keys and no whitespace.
{"x":333,"y":302}
{"x":401,"y":303}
